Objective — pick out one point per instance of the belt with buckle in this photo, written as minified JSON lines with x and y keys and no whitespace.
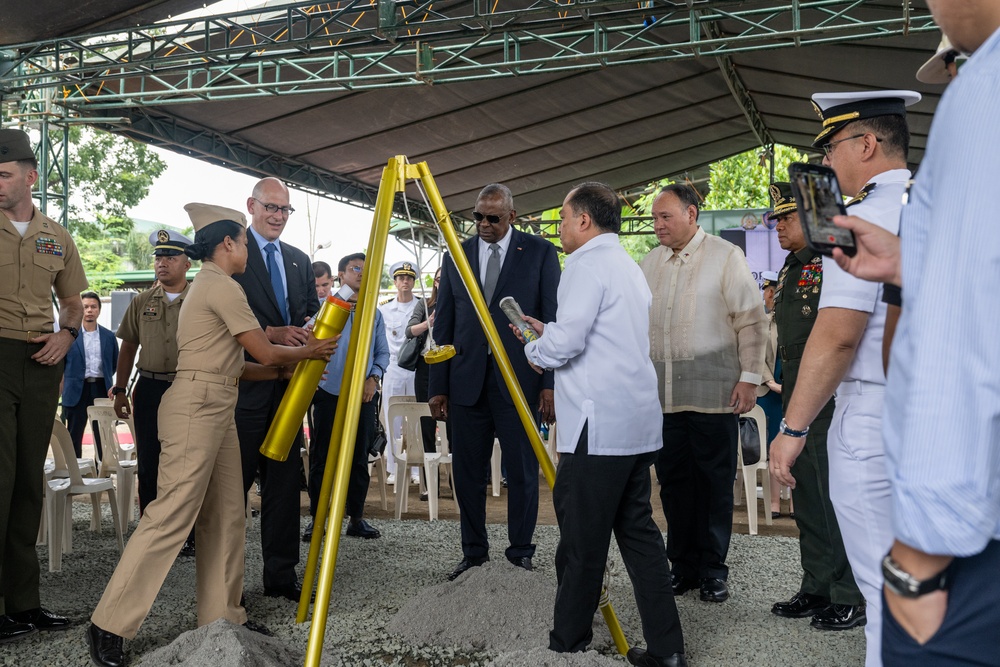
{"x":17,"y":334}
{"x":93,"y":380}
{"x":165,"y":377}
{"x":214,"y":378}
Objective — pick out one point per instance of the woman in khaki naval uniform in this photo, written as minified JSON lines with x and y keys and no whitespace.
{"x":200,"y":470}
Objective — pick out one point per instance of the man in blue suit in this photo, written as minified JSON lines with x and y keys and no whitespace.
{"x":281,"y":290}
{"x":90,"y":365}
{"x":468,"y":389}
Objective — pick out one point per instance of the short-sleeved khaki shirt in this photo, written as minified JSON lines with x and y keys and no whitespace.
{"x":214,"y":312}
{"x":31,"y":266}
{"x":150,"y":322}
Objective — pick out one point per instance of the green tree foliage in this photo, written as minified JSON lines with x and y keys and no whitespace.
{"x":742,"y":181}
{"x":108,"y":175}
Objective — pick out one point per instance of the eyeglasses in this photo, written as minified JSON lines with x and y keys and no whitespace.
{"x":356,"y":268}
{"x":274,"y":208}
{"x":492,"y":219}
{"x":828,"y":147}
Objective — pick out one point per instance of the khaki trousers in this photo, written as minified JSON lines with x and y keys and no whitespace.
{"x":200,"y":480}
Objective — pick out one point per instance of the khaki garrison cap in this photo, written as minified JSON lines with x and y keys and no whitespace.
{"x":202,"y":215}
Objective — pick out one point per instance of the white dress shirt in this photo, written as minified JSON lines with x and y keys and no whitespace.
{"x":92,"y":354}
{"x":484,"y":253}
{"x":842,"y":290}
{"x":599,"y":348}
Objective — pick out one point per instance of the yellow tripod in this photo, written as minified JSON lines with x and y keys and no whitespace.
{"x":338,"y":463}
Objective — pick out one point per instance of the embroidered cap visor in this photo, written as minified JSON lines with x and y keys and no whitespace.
{"x":781,"y":199}
{"x":167,"y":242}
{"x":837,"y":110}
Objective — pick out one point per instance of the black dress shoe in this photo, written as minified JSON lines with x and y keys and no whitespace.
{"x":714,"y":590}
{"x":42,"y":619}
{"x":681,"y":585}
{"x":465,"y":565}
{"x":290,"y":592}
{"x":522,"y":562}
{"x":257,"y":627}
{"x":801,"y":605}
{"x":187,"y":551}
{"x":639,"y":657}
{"x":362,"y":529}
{"x":840,"y":617}
{"x":11,"y":630}
{"x":307,"y":534}
{"x":106,"y":649}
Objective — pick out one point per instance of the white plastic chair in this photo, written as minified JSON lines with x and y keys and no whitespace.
{"x":408,"y":450}
{"x":432,"y":471}
{"x":394,"y":439}
{"x":746,"y":475}
{"x":61,"y":492}
{"x":117,"y":460}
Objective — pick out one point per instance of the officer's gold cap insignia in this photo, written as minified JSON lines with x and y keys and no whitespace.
{"x":162,"y":236}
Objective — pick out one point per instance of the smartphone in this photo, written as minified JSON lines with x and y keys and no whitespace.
{"x":817,"y":195}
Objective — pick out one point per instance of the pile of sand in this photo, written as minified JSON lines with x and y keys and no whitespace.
{"x":224,"y":644}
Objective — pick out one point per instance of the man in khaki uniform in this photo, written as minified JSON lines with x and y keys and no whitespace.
{"x":149,"y":327}
{"x":36,"y":255}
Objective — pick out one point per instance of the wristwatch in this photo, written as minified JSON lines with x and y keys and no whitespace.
{"x":118,"y":390}
{"x":905,"y":584}
{"x":73,"y":331}
{"x":378,"y":380}
{"x":784,"y":428}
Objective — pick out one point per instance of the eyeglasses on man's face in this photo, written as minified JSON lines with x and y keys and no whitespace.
{"x":274,"y":208}
{"x":355,"y":268}
{"x":828,"y":147}
{"x":492,"y":219}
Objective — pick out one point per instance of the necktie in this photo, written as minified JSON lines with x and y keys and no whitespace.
{"x":492,"y":272}
{"x":276,"y":284}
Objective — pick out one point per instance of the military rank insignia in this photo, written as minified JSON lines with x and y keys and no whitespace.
{"x":48,"y":247}
{"x":150,"y":310}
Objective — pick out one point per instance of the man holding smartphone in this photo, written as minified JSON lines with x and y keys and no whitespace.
{"x":866,"y":141}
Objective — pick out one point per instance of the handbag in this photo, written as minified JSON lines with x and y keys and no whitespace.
{"x":380,"y":440}
{"x":749,"y":441}
{"x":409,"y":353}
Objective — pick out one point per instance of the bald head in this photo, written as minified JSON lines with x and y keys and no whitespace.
{"x":268,"y":192}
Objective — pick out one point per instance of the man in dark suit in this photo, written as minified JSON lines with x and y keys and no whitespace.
{"x":281,"y":290}
{"x":90,"y":364}
{"x":469,"y":389}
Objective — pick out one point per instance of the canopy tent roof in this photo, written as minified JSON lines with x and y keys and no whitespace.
{"x":540,"y":98}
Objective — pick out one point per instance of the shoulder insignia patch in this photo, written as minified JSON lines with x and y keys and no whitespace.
{"x":860,"y":197}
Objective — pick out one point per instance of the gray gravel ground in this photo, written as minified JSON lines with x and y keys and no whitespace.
{"x":391,"y":605}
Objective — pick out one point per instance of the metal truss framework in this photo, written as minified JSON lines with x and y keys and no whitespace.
{"x":305,"y":47}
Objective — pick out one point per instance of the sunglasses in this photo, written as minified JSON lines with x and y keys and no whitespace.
{"x":492,"y":219}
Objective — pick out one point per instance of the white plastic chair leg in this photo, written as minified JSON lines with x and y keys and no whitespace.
{"x":116,"y":519}
{"x":58,"y":509}
{"x":432,"y":474}
{"x":401,"y":498}
{"x":495,"y":474}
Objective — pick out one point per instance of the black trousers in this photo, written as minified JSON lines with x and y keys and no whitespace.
{"x":593,"y":497}
{"x":146,"y":399}
{"x":696,"y":469}
{"x":280,"y":484}
{"x":29,"y":393}
{"x":473,"y":428}
{"x":967,"y":636}
{"x":324,"y":412}
{"x":75,"y":416}
{"x":825,"y":569}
